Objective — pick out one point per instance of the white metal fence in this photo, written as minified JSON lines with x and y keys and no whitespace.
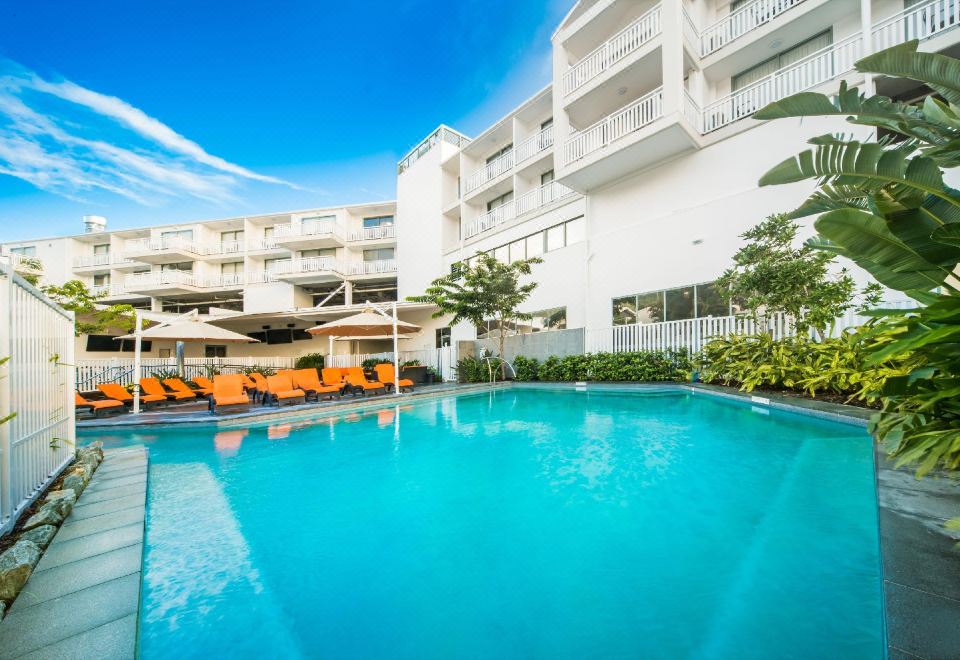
{"x":36,"y":387}
{"x":91,"y":373}
{"x":610,"y":129}
{"x":917,"y":22}
{"x":442,"y":360}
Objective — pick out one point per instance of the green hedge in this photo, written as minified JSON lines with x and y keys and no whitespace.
{"x":309,"y":361}
{"x":639,"y":366}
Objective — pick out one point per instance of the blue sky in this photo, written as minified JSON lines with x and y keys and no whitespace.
{"x":175,"y":111}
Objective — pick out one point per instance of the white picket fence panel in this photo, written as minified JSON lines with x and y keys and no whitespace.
{"x":91,"y":373}
{"x":36,"y":385}
{"x":442,"y":360}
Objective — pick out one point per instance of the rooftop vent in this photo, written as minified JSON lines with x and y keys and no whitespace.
{"x":94,"y":223}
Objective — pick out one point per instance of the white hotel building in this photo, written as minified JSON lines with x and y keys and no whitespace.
{"x":631,"y":175}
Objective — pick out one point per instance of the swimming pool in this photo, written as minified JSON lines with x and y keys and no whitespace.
{"x":515,"y":523}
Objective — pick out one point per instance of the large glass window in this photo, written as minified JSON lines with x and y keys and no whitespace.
{"x":679,"y":304}
{"x":784,"y":59}
{"x":500,"y":201}
{"x":323,"y":252}
{"x":181,"y":234}
{"x":378,"y":221}
{"x":499,"y":152}
{"x":697,"y":301}
{"x":378,"y":254}
{"x":534,"y":245}
{"x":25,"y":250}
{"x":442,"y":337}
{"x":555,"y":239}
{"x":184,"y":266}
{"x":502,"y":254}
{"x":518,"y":250}
{"x":101,"y":280}
{"x":103,"y":248}
{"x":231,"y":236}
{"x":709,"y":302}
{"x":549,"y":319}
{"x":231,"y":268}
{"x":576,"y":230}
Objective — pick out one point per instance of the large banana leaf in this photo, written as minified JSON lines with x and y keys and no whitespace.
{"x":915,"y":228}
{"x":940,"y":72}
{"x":948,"y":234}
{"x":867,"y":240}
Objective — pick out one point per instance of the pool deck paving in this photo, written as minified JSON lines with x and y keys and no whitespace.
{"x":84,"y":595}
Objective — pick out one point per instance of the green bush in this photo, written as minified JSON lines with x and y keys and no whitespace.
{"x":616,"y":367}
{"x":474,"y":370}
{"x":163,"y":374}
{"x":370,"y":363}
{"x":832,"y":366}
{"x":525,"y":368}
{"x":309,"y":361}
{"x":263,"y":371}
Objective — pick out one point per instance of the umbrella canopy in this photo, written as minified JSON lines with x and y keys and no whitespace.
{"x":365,"y":324}
{"x":191,"y":329}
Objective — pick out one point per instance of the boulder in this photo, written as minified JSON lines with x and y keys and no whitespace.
{"x":62,"y":503}
{"x":16,"y":565}
{"x":3,"y":610}
{"x":64,"y":494}
{"x":48,"y":514}
{"x":40,"y":536}
{"x":74,"y":482}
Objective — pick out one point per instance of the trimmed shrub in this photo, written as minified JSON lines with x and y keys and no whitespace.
{"x":263,"y":371}
{"x":474,"y":370}
{"x":525,"y":369}
{"x":638,"y":366}
{"x":370,"y":363}
{"x":309,"y":361}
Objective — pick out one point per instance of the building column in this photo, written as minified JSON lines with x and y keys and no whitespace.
{"x":347,"y":292}
{"x":671,"y":40}
{"x":866,"y":28}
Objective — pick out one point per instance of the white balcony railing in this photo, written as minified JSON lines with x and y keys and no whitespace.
{"x":227,"y":247}
{"x":262,"y":244}
{"x":23,"y":263}
{"x":307,"y":228}
{"x":917,"y":22}
{"x":140,"y":281}
{"x":535,"y":144}
{"x":373,"y":267}
{"x":613,"y":50}
{"x":813,"y":70}
{"x":526,"y":203}
{"x":306,"y":265}
{"x":164,"y":245}
{"x":632,"y":118}
{"x":89,"y":260}
{"x":374,"y":233}
{"x":225,"y":280}
{"x":738,"y":23}
{"x":107,"y":290}
{"x":490,"y":171}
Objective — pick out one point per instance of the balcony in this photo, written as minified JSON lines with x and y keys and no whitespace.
{"x":385,"y":233}
{"x":489,"y":172}
{"x":743,"y":20}
{"x":161,"y":283}
{"x":538,"y":143}
{"x":814,"y":70}
{"x":226,"y":281}
{"x":921,"y":22}
{"x":164,"y":250}
{"x":315,"y":234}
{"x":608,"y":130}
{"x":537,"y":198}
{"x":226,"y":251}
{"x":307,"y":269}
{"x":375,"y":268}
{"x":92,"y":262}
{"x":110,"y":291}
{"x":625,"y":42}
{"x":23,"y":264}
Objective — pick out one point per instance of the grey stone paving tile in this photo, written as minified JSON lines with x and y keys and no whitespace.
{"x":84,"y":510}
{"x":62,"y":552}
{"x":77,"y":575}
{"x":922,"y":624}
{"x":54,"y":620}
{"x":89,"y":497}
{"x":123,"y":470}
{"x":73,"y":529}
{"x":111,"y":641}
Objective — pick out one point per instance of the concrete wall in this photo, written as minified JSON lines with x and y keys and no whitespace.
{"x":539,"y":345}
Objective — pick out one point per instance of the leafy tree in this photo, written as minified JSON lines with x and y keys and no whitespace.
{"x":487,"y":290}
{"x":884,"y":205}
{"x":772,"y":274}
{"x":91,"y":318}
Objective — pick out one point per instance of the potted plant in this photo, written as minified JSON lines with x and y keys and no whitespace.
{"x":413,"y":370}
{"x":431,"y":376}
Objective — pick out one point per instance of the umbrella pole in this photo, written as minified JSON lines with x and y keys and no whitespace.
{"x":396,"y":354}
{"x":138,"y":342}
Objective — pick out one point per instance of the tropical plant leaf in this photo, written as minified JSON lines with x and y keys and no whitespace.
{"x":940,"y":72}
{"x":948,"y":234}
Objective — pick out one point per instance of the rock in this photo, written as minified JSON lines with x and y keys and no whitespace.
{"x":62,"y":503}
{"x":75,"y":483}
{"x":49,"y":514}
{"x":40,"y":536}
{"x":56,"y":495}
{"x":16,"y":565}
{"x":3,"y":609}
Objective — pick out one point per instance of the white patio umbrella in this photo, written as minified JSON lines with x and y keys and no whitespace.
{"x":370,"y":323}
{"x":184,"y":328}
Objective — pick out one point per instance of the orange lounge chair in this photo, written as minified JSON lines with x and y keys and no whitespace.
{"x":178,"y":385}
{"x":359,"y":383}
{"x":260,"y":382}
{"x":228,"y":393}
{"x":281,"y":390}
{"x":307,"y":380}
{"x":120,"y":393}
{"x":333,"y":376}
{"x":203,"y":383}
{"x":95,"y":407}
{"x":152,"y":387}
{"x":386,"y":374}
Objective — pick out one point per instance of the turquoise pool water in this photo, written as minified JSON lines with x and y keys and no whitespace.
{"x":519,"y":523}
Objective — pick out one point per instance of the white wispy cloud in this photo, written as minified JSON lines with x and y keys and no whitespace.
{"x":77,"y":143}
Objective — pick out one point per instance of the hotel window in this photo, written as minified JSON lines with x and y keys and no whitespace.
{"x":576,"y":230}
{"x":378,"y":221}
{"x":555,"y":239}
{"x":534,"y":245}
{"x":101,"y":280}
{"x":25,"y":250}
{"x":518,"y":250}
{"x":500,"y":152}
{"x":546,"y":124}
{"x":271,"y":265}
{"x":214,"y":351}
{"x":500,"y":201}
{"x":546,"y":177}
{"x":325,"y":252}
{"x":318,"y":223}
{"x":381,"y":254}
{"x":689,"y":302}
{"x":183,"y":266}
{"x":231,"y":236}
{"x":103,"y":248}
{"x":442,"y":337}
{"x":502,"y":254}
{"x":784,"y":59}
{"x":267,"y":233}
{"x":181,"y":234}
{"x":231,"y":268}
{"x":549,"y":319}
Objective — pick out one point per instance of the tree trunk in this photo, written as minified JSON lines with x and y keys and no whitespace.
{"x":503,"y":359}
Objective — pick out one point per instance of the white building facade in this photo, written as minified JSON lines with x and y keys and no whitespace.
{"x":631,"y":175}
